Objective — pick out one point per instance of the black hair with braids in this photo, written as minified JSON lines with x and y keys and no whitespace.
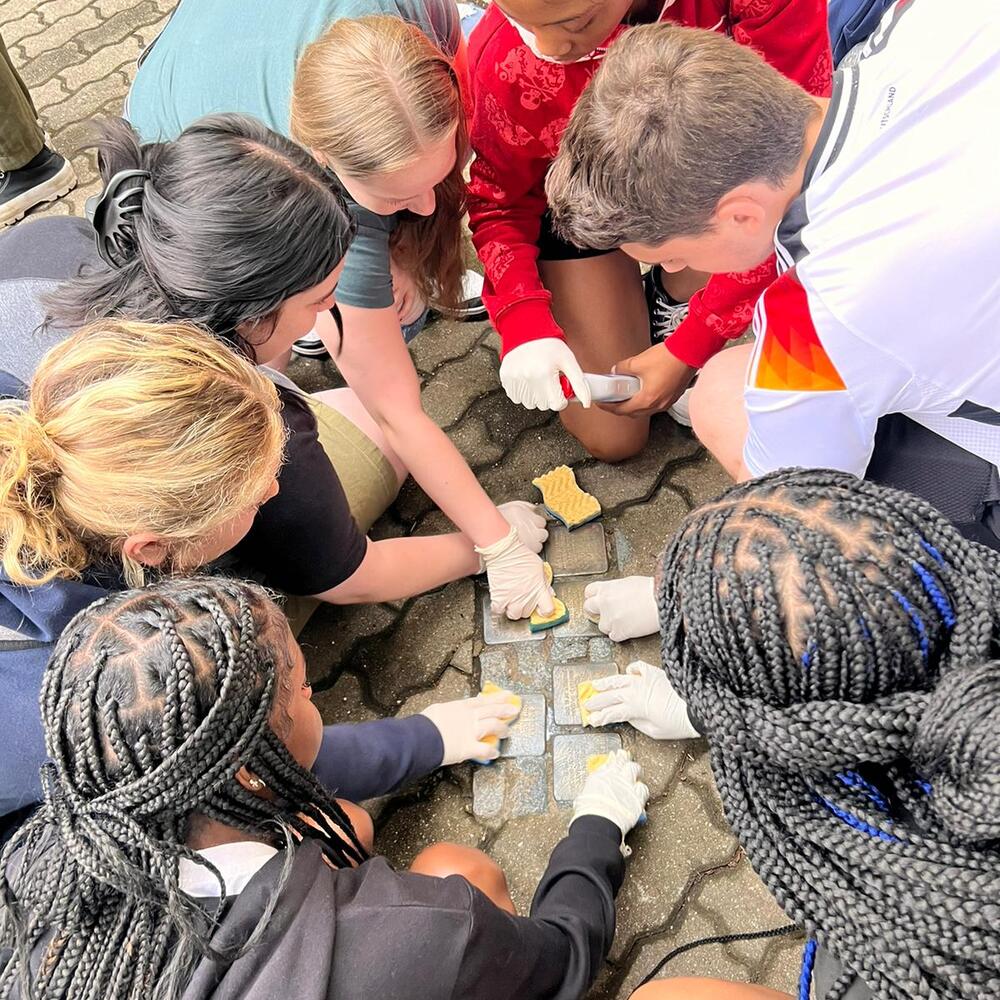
{"x":833,"y":638}
{"x":152,"y":702}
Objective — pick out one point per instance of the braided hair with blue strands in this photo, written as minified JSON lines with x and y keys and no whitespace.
{"x":833,"y":638}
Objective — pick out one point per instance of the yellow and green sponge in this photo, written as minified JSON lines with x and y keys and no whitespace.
{"x":564,"y":499}
{"x":560,"y":614}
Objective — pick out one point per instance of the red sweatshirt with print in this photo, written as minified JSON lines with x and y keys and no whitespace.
{"x":521,"y":107}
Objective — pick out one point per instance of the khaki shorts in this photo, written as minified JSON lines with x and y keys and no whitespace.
{"x":367,"y":476}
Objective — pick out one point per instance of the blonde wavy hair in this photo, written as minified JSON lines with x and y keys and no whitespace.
{"x":370,"y":95}
{"x":131,"y":427}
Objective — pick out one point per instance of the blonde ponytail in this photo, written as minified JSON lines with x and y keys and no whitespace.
{"x":130,"y":427}
{"x":34,"y":539}
{"x":370,"y":95}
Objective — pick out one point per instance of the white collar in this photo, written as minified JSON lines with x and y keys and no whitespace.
{"x":237,"y":863}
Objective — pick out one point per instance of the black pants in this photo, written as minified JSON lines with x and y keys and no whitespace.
{"x":961,"y":485}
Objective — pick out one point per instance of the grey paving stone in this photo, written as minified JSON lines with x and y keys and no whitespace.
{"x":601,"y":648}
{"x":569,"y":760}
{"x":577,"y":553}
{"x":519,"y":666}
{"x":565,"y":649}
{"x":527,"y":732}
{"x":631,"y":482}
{"x":500,"y":629}
{"x":507,"y":789}
{"x":566,"y":678}
{"x":643,"y":531}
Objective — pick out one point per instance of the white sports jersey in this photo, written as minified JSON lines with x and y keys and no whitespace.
{"x":889,"y":296}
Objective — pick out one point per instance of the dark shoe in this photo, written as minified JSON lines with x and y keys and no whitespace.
{"x":310,"y":346}
{"x":46,"y":177}
{"x":665,"y":315}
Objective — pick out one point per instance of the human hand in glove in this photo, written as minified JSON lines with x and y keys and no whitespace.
{"x":516,"y":577}
{"x":464,"y":723}
{"x":643,"y":697}
{"x":532,"y":528}
{"x":530,"y":374}
{"x":615,"y":792}
{"x":624,"y":609}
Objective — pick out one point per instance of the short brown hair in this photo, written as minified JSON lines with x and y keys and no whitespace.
{"x":674,"y":119}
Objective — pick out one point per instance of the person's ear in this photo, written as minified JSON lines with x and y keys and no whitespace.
{"x":743,"y":211}
{"x":146,"y":549}
{"x":250,"y":781}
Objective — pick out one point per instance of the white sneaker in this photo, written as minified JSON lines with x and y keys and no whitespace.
{"x":471,"y":307}
{"x":681,"y":410}
{"x":310,"y":346}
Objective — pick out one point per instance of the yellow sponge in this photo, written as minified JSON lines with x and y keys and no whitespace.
{"x":548,"y":573}
{"x":596,"y":760}
{"x":539,"y":623}
{"x":490,"y":688}
{"x":585,"y":690}
{"x":564,"y":499}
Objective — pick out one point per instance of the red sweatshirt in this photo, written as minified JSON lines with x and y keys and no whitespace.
{"x":521,"y":107}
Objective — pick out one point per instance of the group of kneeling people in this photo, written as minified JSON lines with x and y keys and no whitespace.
{"x":180,"y":823}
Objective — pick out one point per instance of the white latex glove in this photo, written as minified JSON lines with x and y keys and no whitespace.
{"x":623,"y":609}
{"x":463,"y":724}
{"x":615,"y":792}
{"x":532,"y":528}
{"x":516,"y":577}
{"x":643,"y":697}
{"x":530,"y":374}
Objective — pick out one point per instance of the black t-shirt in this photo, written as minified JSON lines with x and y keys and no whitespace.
{"x":304,"y":540}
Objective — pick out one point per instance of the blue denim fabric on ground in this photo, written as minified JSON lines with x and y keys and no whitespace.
{"x":412,"y":329}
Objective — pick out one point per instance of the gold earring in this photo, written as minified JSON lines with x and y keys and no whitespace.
{"x":256,"y":784}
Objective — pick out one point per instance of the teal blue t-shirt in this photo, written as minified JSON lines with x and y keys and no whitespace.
{"x":233,"y":55}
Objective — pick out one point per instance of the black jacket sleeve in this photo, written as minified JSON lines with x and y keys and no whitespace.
{"x":557,"y":951}
{"x":363,"y":760}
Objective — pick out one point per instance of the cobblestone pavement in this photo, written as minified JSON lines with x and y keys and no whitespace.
{"x":687,"y":877}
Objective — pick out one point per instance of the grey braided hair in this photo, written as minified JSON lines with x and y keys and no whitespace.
{"x":834,"y":640}
{"x":151,"y":703}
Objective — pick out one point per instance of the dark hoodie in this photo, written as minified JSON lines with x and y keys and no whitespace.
{"x":31,"y":619}
{"x":366,"y":932}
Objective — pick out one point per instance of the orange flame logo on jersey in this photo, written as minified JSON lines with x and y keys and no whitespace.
{"x":791,"y":357}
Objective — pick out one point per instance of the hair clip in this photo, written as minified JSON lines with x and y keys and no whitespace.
{"x":111,"y":216}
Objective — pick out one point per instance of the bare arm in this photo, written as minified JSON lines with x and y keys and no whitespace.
{"x":396,"y":568}
{"x":377,"y":366}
